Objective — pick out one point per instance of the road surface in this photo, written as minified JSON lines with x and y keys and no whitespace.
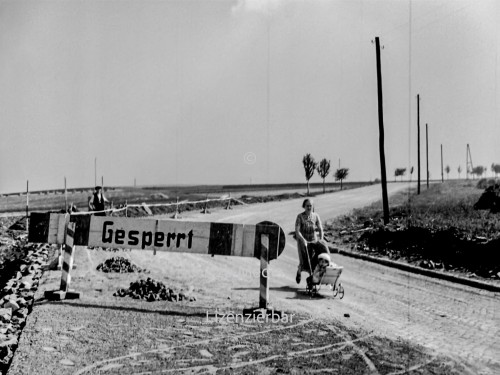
{"x":454,"y":320}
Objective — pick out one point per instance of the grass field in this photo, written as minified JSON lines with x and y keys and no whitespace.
{"x":56,"y":200}
{"x":437,"y":229}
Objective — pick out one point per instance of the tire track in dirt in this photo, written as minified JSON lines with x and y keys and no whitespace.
{"x":199,"y":342}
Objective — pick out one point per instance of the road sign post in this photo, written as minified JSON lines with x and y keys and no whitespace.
{"x":264,"y":271}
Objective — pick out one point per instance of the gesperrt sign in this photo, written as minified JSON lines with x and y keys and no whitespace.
{"x":160,"y":235}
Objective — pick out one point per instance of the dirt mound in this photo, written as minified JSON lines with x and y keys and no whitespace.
{"x":490,"y":199}
{"x":151,"y":290}
{"x":119,"y":265}
{"x":484,"y":183}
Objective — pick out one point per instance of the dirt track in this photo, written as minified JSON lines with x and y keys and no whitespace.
{"x":458,"y":321}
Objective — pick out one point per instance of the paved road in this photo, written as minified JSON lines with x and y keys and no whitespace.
{"x":458,"y":321}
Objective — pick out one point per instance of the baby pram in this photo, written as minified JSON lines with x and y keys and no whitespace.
{"x":329,"y":278}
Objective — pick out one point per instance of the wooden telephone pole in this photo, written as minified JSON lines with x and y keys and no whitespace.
{"x":442,"y":175}
{"x":418,"y":141}
{"x":385,"y":199}
{"x":427,"y":151}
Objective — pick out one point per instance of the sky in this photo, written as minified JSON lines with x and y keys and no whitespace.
{"x":238,"y":91}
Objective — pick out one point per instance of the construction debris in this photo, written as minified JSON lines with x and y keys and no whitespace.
{"x":152,"y":290}
{"x":119,"y":265}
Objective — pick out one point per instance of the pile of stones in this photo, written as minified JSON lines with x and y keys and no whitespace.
{"x":151,"y":290}
{"x":110,"y":249}
{"x":119,"y":265}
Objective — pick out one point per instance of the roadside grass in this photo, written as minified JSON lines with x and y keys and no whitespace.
{"x":437,"y":229}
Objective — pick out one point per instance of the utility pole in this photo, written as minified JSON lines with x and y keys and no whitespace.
{"x":442,"y":175}
{"x":27,"y":203}
{"x":95,"y":172}
{"x":65,"y":196}
{"x":418,"y":141}
{"x":468,"y":162}
{"x":427,"y":151}
{"x":385,"y":199}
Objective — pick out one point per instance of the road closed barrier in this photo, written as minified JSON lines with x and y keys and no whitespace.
{"x":265,"y":240}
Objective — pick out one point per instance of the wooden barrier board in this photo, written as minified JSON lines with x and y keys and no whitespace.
{"x":159,"y":235}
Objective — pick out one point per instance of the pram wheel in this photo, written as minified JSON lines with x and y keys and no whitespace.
{"x":341,"y":291}
{"x":335,"y":292}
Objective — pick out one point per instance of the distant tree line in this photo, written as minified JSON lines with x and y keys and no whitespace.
{"x":477,"y":171}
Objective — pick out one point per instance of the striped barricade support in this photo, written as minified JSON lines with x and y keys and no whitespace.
{"x":264,"y":271}
{"x":67,"y":264}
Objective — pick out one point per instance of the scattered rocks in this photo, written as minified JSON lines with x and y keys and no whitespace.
{"x":429,"y":264}
{"x":49,"y":349}
{"x":152,"y":290}
{"x":206,"y":353}
{"x":11,"y":305}
{"x":20,"y":269}
{"x":66,"y":362}
{"x":5,"y":315}
{"x":119,"y":265}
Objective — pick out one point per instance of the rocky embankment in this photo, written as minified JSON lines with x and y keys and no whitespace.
{"x":21,"y":267}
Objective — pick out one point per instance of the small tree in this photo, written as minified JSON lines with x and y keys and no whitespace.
{"x":459,"y":170}
{"x":399,"y":172}
{"x":495,"y":168}
{"x":323,"y":170}
{"x":396,"y":174}
{"x":411,"y":173}
{"x":447,"y":170}
{"x":309,"y":167}
{"x":341,"y":174}
{"x":478,"y":171}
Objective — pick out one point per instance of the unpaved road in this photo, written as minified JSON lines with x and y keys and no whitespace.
{"x":458,"y":321}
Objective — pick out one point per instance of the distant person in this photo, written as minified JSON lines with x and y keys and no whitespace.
{"x":98,"y":202}
{"x":309,"y":244}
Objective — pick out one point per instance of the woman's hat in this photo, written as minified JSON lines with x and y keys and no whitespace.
{"x":324,"y":256}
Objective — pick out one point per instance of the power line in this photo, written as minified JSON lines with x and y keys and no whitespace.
{"x":424,"y":26}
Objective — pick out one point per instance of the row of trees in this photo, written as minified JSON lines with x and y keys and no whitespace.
{"x":476,"y":171}
{"x":323,"y":169}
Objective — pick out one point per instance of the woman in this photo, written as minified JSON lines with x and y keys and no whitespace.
{"x":306,"y":225}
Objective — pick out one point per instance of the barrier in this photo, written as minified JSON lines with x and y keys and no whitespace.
{"x":264,"y":269}
{"x":69,"y":249}
{"x":125,"y":208}
{"x":264,"y":241}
